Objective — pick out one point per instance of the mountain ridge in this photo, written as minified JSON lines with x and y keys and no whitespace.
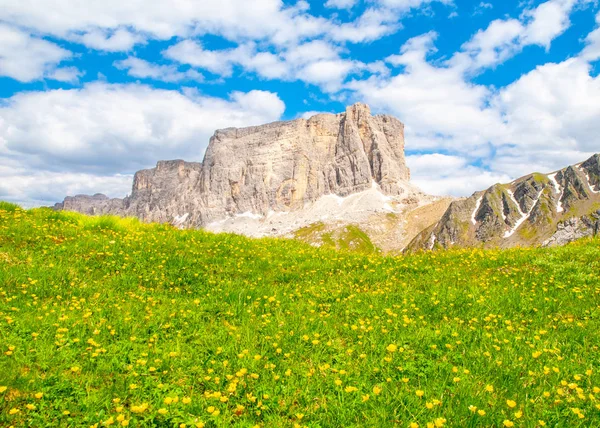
{"x":536,"y":209}
{"x":317,"y":178}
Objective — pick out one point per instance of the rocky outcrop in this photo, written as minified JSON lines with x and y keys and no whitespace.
{"x":573,"y":229}
{"x":278,"y":167}
{"x":548,"y":209}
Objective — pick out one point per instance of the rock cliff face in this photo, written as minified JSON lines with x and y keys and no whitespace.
{"x":278,"y":167}
{"x":546,"y":209}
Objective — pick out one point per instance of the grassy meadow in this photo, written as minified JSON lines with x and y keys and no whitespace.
{"x":111,"y":322}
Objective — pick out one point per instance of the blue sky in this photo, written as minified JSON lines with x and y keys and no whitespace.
{"x":488,"y":90}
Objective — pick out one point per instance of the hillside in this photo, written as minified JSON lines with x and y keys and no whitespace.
{"x":107,"y":321}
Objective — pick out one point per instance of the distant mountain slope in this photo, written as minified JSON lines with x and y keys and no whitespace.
{"x":546,"y":209}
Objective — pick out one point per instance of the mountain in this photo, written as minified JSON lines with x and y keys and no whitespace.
{"x":547,"y":209}
{"x":308,"y":178}
{"x":341,"y":180}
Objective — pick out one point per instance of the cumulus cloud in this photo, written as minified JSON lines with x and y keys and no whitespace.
{"x":216,"y":61}
{"x":543,"y":121}
{"x":27,"y":58}
{"x":371,"y":25}
{"x":490,"y":47}
{"x":108,"y":40}
{"x":592,"y":49}
{"x":380,"y":19}
{"x":410,"y":4}
{"x":106,"y":25}
{"x":440,"y":174}
{"x":45,"y":188}
{"x":142,"y":69}
{"x":316,"y":62}
{"x":547,"y":21}
{"x":482,"y":7}
{"x":115,"y":25}
{"x":504,"y":38}
{"x":101,"y":130}
{"x":66,"y":74}
{"x":551,"y":115}
{"x":440,"y":108}
{"x":341,"y":4}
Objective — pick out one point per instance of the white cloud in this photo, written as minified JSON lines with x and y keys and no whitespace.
{"x":430,"y":163}
{"x":107,"y":24}
{"x":316,"y":62}
{"x":492,"y":46}
{"x":440,"y":108}
{"x":102,"y":130}
{"x":380,"y":19}
{"x":193,"y":53}
{"x":545,"y":120}
{"x":341,"y":4}
{"x":66,"y":74}
{"x":547,"y":21}
{"x":26,"y":58}
{"x":439,"y":174}
{"x":371,"y":25}
{"x":592,"y":49}
{"x":327,"y":73}
{"x":142,"y":69}
{"x":482,"y":7}
{"x":116,"y":25}
{"x":410,"y":4}
{"x":106,"y":40}
{"x":35,"y":188}
{"x":552,"y":117}
{"x":504,"y":38}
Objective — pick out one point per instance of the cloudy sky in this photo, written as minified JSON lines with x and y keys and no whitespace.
{"x":90,"y":92}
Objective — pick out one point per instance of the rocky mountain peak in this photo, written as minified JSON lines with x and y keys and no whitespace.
{"x":278,"y":167}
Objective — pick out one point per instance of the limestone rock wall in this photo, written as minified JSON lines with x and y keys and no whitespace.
{"x":281,"y":166}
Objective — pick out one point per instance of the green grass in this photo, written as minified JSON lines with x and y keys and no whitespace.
{"x":108,"y":321}
{"x":540,"y":178}
{"x":347,"y":238}
{"x":352,"y":238}
{"x":310,"y":230}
